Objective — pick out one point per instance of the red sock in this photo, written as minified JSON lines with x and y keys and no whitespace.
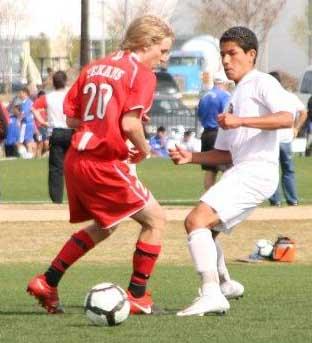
{"x":79,"y":244}
{"x":144,"y":260}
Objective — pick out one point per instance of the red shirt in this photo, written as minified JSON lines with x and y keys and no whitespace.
{"x":41,"y":104}
{"x":104,"y":91}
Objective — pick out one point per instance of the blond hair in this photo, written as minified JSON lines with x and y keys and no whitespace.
{"x":146,"y":31}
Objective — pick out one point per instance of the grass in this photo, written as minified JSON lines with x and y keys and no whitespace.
{"x":275,"y":307}
{"x":26,"y":180}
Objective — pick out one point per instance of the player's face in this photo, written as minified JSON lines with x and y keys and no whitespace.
{"x":157,"y":54}
{"x":237,"y":63}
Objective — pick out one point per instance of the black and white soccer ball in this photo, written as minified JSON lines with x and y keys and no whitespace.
{"x":107,"y":304}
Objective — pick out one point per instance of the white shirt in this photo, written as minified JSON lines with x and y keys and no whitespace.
{"x":56,"y":116}
{"x":287,"y":135}
{"x":256,"y":95}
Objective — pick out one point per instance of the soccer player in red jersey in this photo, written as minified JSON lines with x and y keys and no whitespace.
{"x":106,"y":106}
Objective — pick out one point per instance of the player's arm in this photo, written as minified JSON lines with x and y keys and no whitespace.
{"x":212,"y":157}
{"x":299,"y":121}
{"x":270,"y":121}
{"x":133,"y":129}
{"x":38,"y":116}
{"x":73,"y":123}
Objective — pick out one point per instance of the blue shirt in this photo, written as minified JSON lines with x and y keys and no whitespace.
{"x":158,"y":146}
{"x":13,"y":132}
{"x":26,"y":106}
{"x":210,"y":105}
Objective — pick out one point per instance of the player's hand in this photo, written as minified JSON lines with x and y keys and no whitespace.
{"x":136,"y":156}
{"x":229,"y":121}
{"x":180,"y":156}
{"x":296,"y":131}
{"x":145,"y":118}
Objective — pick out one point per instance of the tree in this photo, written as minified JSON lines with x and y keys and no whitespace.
{"x":122,"y":12}
{"x":301,"y":30}
{"x":12,"y":19}
{"x":214,"y":16}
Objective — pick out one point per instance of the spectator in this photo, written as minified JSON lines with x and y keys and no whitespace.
{"x":13,"y":132}
{"x":61,"y":134}
{"x":213,"y":103}
{"x":4,"y":120}
{"x":189,"y":142}
{"x":285,"y":157}
{"x":308,"y":128}
{"x":41,"y":125}
{"x":158,"y":143}
{"x":27,"y":122}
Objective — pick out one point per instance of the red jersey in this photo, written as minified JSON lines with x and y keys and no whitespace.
{"x":105,"y":90}
{"x":41,"y":104}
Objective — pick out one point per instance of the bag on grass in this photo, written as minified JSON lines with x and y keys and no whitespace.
{"x":284,"y":249}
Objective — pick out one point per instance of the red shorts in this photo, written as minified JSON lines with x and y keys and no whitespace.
{"x":101,"y":190}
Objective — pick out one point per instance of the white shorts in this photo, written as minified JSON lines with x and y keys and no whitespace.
{"x":240,"y":190}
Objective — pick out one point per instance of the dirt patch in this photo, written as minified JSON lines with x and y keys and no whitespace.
{"x":51,"y":212}
{"x":40,"y":241}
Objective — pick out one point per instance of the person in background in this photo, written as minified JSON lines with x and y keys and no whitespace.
{"x":27,"y":123}
{"x":158,"y":143}
{"x":61,"y":133}
{"x":210,"y":105}
{"x":41,"y":124}
{"x":286,"y":136}
{"x":189,"y":142}
{"x":13,"y":132}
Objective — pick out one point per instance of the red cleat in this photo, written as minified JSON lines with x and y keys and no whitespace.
{"x":143,"y":305}
{"x":46,"y":295}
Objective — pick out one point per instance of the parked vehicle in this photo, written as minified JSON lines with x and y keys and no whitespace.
{"x":166,"y":85}
{"x":196,"y":57}
{"x":171,"y":113}
{"x":305,"y":89}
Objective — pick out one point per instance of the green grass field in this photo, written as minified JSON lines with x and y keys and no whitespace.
{"x":275,"y":309}
{"x":26,"y":180}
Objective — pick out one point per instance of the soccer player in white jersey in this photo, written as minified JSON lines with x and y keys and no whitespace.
{"x":247,"y":138}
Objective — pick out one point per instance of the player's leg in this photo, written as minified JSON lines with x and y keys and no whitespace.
{"x":203,"y":250}
{"x":145,"y":256}
{"x":44,"y":287}
{"x":231,"y":289}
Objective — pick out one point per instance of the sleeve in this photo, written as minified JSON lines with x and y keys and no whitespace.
{"x":275,"y":97}
{"x":73,"y":98}
{"x":224,"y":101}
{"x":200,"y":109}
{"x":222,"y":141}
{"x":141,"y":93}
{"x":41,"y":102}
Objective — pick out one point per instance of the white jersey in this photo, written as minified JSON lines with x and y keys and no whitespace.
{"x":256,"y":95}
{"x":287,"y":135}
{"x":56,"y":116}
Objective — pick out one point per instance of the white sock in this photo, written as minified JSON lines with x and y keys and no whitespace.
{"x":204,"y":254}
{"x":222,"y":269}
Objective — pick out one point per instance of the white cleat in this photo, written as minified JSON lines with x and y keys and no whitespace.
{"x":232,"y":289}
{"x":212,"y":303}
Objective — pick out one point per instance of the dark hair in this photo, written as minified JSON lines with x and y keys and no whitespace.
{"x":276,"y":75}
{"x":25,"y":90}
{"x":161,"y":129}
{"x":41,"y":92}
{"x":59,"y":79}
{"x":244,"y":37}
{"x":188,"y":133}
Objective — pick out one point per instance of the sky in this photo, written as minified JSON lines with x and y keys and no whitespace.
{"x":48,"y":16}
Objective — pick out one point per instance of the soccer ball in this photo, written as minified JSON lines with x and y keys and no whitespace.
{"x":264,"y":248}
{"x":106,"y":304}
